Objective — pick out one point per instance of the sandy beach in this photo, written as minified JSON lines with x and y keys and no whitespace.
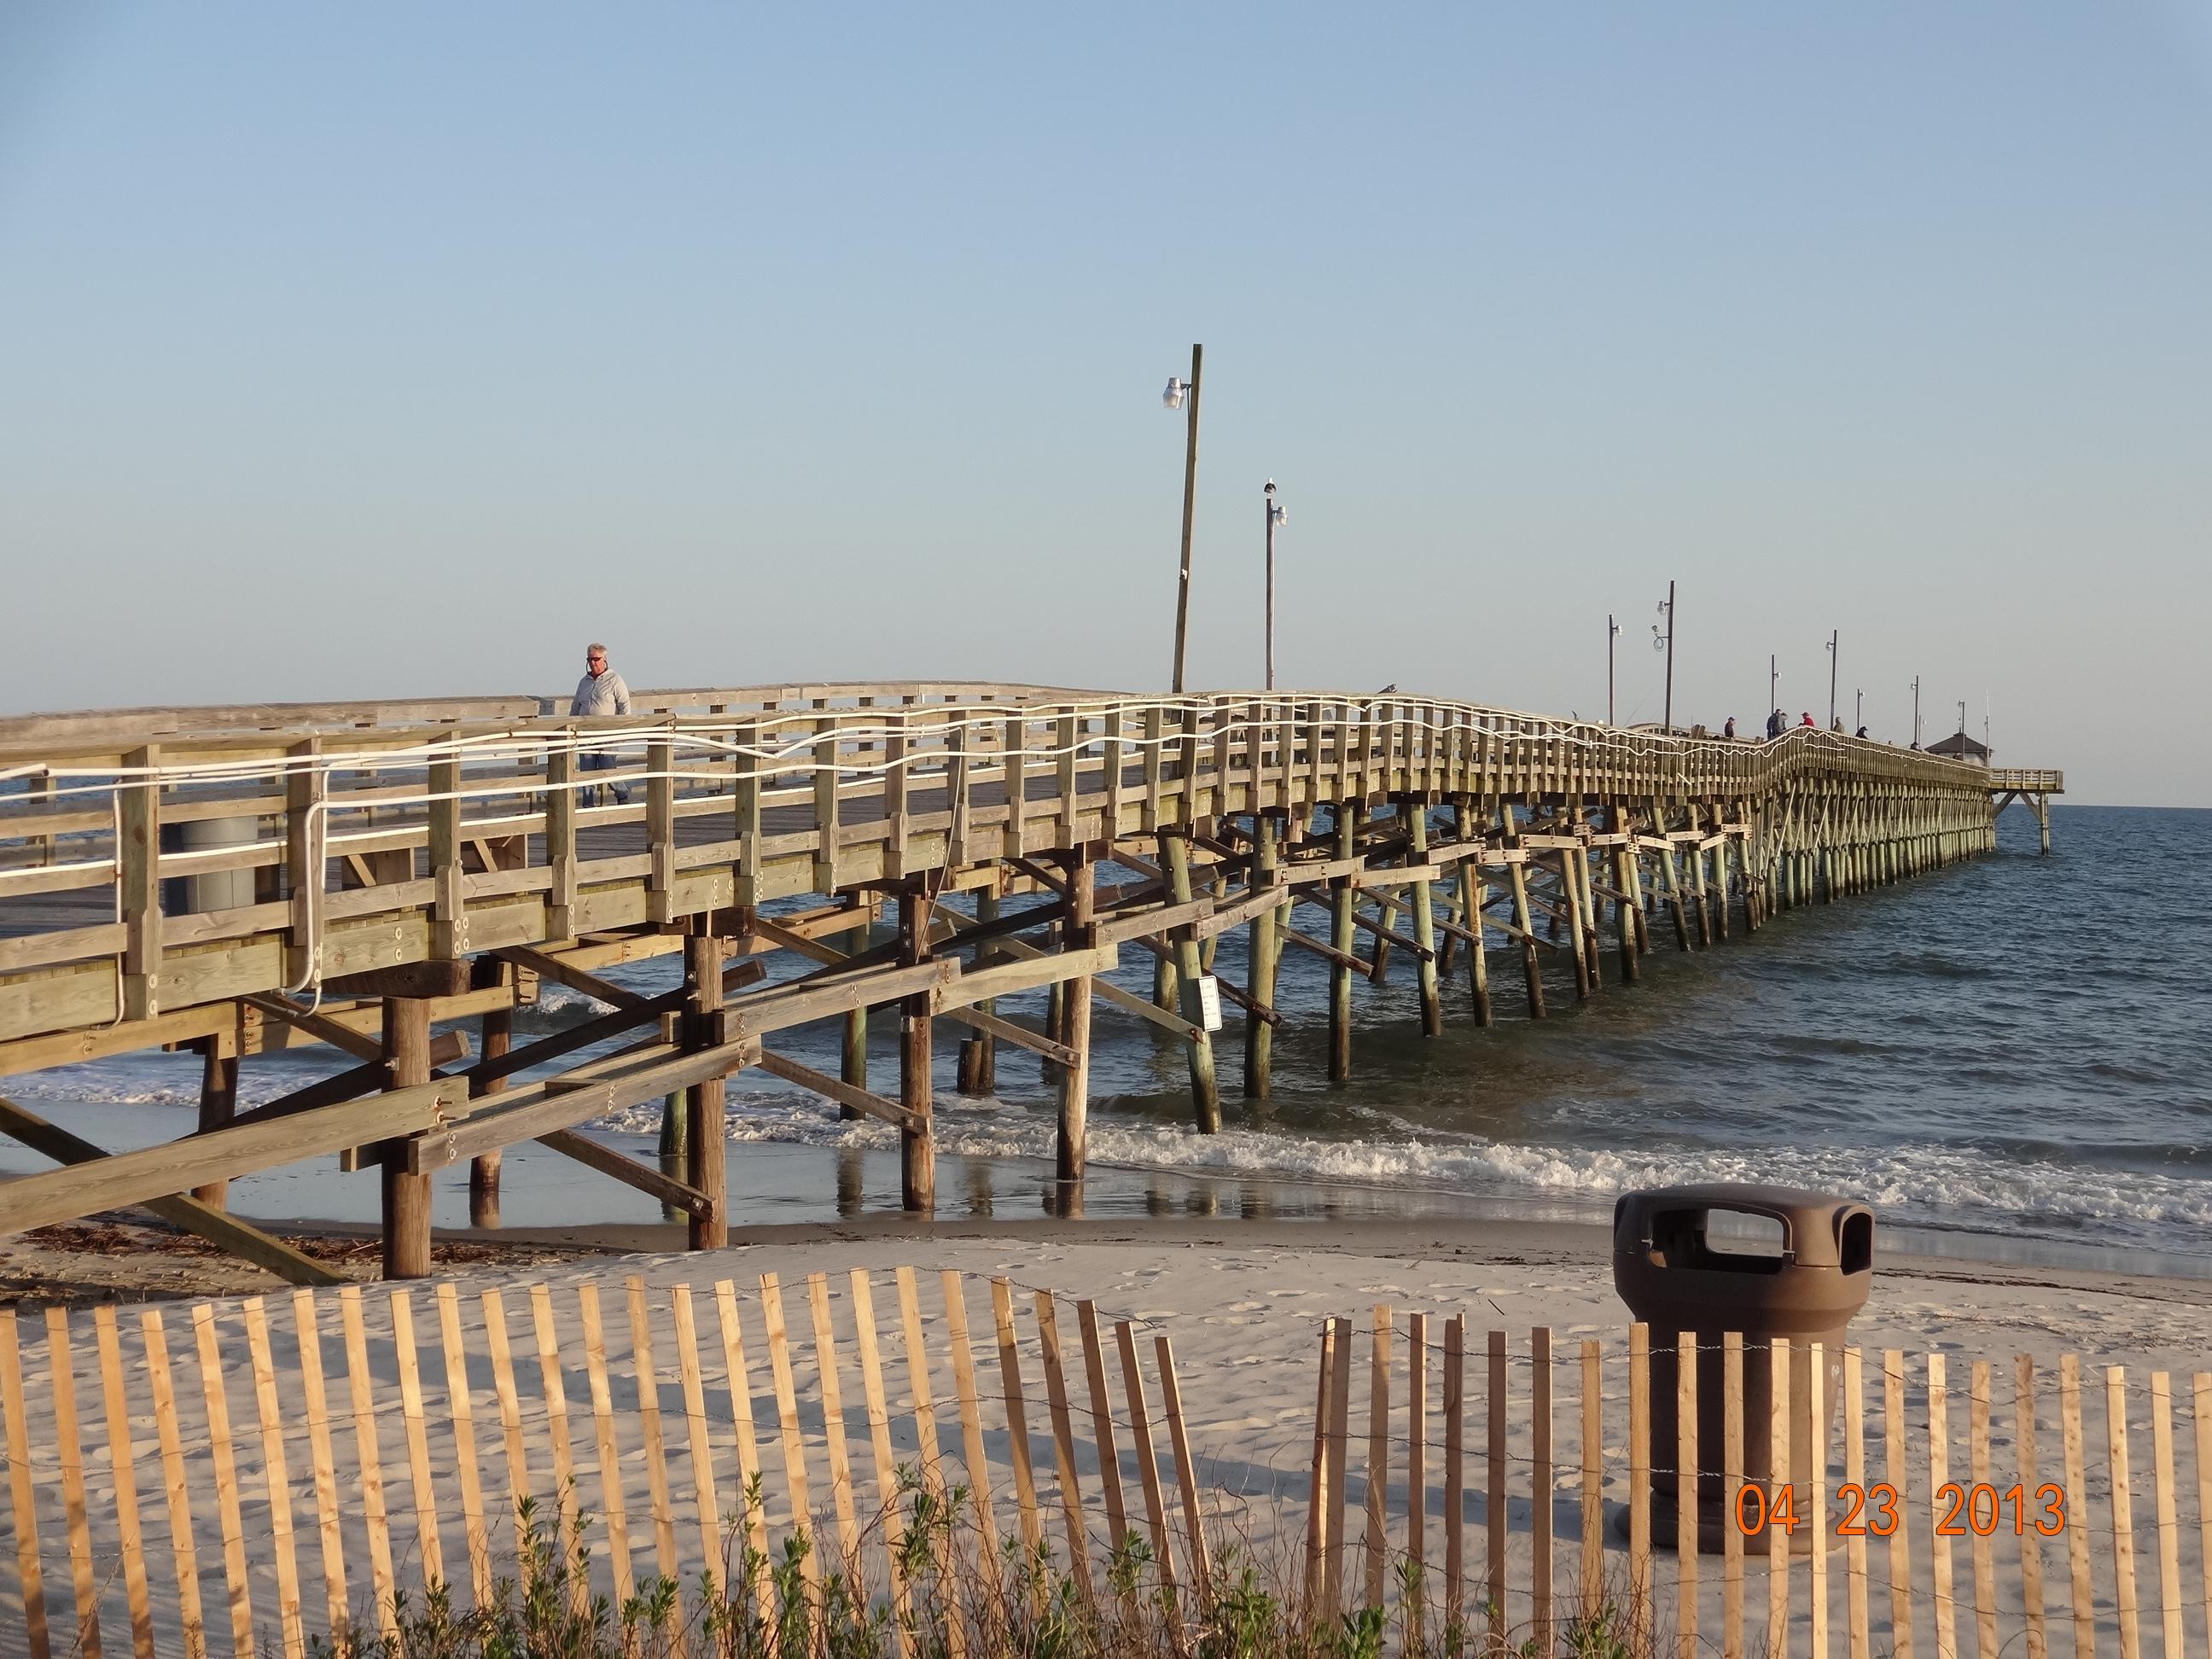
{"x":1511,"y":1274}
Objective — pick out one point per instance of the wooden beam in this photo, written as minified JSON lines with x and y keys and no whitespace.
{"x":537,"y":1109}
{"x":349,"y":1085}
{"x":1008,"y":978}
{"x":830,"y":1088}
{"x":248,"y":1243}
{"x":1326,"y":952}
{"x":1006,"y":1031}
{"x":1372,"y":927}
{"x":628,"y":1170}
{"x":319,"y":1026}
{"x":163,"y":1171}
{"x":550,"y":965}
{"x":1228,"y":991}
{"x":414,"y":980}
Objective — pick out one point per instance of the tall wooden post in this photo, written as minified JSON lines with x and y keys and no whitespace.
{"x":917,"y":1137}
{"x":1205,"y":1090}
{"x":1697,"y":878}
{"x":1075,"y":1023}
{"x":218,"y":1100}
{"x":707,"y":1126}
{"x":1516,"y":875}
{"x":1672,"y":875}
{"x":978,"y":1072}
{"x":406,"y":1197}
{"x":495,"y":1038}
{"x":852,"y":1059}
{"x":1416,"y":813}
{"x":1623,"y":902}
{"x":1343,"y":898}
{"x":1571,"y":892}
{"x":1470,"y":907}
{"x":1266,"y":950}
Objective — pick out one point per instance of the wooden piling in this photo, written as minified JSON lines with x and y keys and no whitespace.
{"x":1516,"y":874}
{"x":1344,"y":899}
{"x":1416,"y":814}
{"x":1265,"y":952}
{"x":1074,"y":1083}
{"x":406,"y":1196}
{"x":1205,"y":1090}
{"x":706,"y":1102}
{"x":917,"y":1138}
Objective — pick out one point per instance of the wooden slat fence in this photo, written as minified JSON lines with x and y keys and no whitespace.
{"x":1972,"y":1508}
{"x":242,"y":1479}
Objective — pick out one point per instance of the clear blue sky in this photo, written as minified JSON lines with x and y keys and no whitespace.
{"x":398,"y":349}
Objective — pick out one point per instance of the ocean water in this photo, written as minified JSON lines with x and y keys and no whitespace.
{"x":2015,"y":1048}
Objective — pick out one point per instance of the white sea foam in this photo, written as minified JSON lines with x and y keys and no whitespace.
{"x":1922,"y":1183}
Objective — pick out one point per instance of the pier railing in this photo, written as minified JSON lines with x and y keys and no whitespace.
{"x":165,"y":870}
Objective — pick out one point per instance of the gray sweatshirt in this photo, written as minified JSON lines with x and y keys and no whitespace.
{"x":600,"y":694}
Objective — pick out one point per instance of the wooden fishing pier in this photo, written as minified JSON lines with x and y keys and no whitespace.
{"x":236,"y":881}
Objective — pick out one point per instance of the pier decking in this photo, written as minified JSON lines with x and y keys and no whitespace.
{"x":237,"y":880}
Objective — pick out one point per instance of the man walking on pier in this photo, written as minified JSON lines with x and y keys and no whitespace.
{"x":601,"y":691}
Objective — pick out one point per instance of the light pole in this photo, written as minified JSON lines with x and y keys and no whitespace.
{"x":1612,"y":633}
{"x":1277,"y":513}
{"x":1773,"y":686}
{"x":1916,"y":711}
{"x":1858,"y":711}
{"x":1666,"y":643}
{"x":1178,"y":393}
{"x":1832,"y":639}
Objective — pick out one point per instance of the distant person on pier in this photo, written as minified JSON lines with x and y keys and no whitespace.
{"x":1861,"y":733}
{"x":1774,"y":725}
{"x":1728,"y":730}
{"x":1809,"y":720}
{"x":601,"y":691}
{"x":1836,"y":723}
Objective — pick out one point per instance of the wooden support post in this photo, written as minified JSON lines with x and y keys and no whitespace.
{"x":449,"y":925}
{"x":1672,"y":875}
{"x":1471,"y":890}
{"x":852,"y":1062}
{"x":979,"y":1066}
{"x":1516,"y":875}
{"x":1205,"y":1090}
{"x":406,"y":1197}
{"x":1344,"y":899}
{"x":1075,"y":1078}
{"x":497,"y":1040}
{"x":1266,"y":950}
{"x":1571,"y":889}
{"x":218,"y":1100}
{"x":1416,"y":814}
{"x":561,"y":841}
{"x":138,"y":889}
{"x":707,"y":1126}
{"x":1624,"y":904}
{"x":1697,"y":881}
{"x":917,"y":1137}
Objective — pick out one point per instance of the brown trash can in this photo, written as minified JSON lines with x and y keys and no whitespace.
{"x":1798,"y":1265}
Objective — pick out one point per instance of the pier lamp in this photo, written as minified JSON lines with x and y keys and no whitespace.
{"x":1832,"y":639}
{"x":1180,"y":392}
{"x":1277,"y":513}
{"x":1666,"y":643}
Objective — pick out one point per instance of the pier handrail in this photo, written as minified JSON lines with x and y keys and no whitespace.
{"x":448,"y":836}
